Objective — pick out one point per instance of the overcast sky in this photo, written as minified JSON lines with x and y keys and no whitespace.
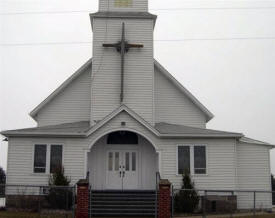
{"x":225,"y":57}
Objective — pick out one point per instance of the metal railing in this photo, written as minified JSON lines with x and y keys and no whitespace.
{"x":158,"y":178}
{"x":222,"y":202}
{"x":58,"y":201}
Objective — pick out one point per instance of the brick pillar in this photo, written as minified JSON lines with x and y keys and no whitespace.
{"x":164,"y":199}
{"x":82,"y":199}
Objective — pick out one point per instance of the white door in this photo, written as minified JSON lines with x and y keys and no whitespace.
{"x":122,"y":169}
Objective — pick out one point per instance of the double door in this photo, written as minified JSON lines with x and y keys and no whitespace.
{"x":122,"y":169}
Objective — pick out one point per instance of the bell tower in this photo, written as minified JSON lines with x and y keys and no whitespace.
{"x":123,"y":5}
{"x":123,"y":64}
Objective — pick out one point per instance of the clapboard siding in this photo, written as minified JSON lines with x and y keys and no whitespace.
{"x":172,"y":106}
{"x":134,"y":6}
{"x":221,"y":172}
{"x":253,"y":174}
{"x":146,"y":163}
{"x":230,"y":166}
{"x":139,"y":68}
{"x":71,"y":105}
{"x":20,"y":160}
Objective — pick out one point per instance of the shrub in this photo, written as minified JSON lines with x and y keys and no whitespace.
{"x":186,"y":201}
{"x":59,"y":198}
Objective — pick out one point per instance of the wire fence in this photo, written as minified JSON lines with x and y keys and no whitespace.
{"x":43,"y":201}
{"x":226,"y":203}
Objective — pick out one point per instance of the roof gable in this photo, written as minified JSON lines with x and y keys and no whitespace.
{"x":179,"y":86}
{"x":118,"y":111}
{"x":64,"y":85}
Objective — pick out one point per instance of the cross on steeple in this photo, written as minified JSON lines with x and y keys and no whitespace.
{"x":122,"y":47}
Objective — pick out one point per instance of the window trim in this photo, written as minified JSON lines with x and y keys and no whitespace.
{"x":62,"y":156}
{"x":33,"y":158}
{"x":192,"y":169}
{"x":48,"y":156}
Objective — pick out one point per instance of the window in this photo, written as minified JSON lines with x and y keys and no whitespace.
{"x":40,"y":155}
{"x":127,"y":161}
{"x":110,"y":161}
{"x":122,"y":137}
{"x":56,"y":157}
{"x":192,"y":158}
{"x":134,"y":161}
{"x":47,"y":158}
{"x":183,"y":159}
{"x":199,"y":160}
{"x":117,"y":161}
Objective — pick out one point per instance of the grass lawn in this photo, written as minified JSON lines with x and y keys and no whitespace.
{"x":235,"y":216}
{"x":6,"y":214}
{"x":259,"y":216}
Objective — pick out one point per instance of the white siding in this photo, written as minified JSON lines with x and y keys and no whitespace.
{"x":220,"y":155}
{"x":172,"y":106}
{"x":139,"y":68}
{"x":133,"y":6}
{"x":146,"y":163}
{"x":71,"y":105}
{"x":221,"y":172}
{"x":20,"y":154}
{"x":20,"y":160}
{"x":253,"y":174}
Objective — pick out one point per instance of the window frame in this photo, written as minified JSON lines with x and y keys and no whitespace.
{"x":192,"y":159}
{"x":33,"y":158}
{"x":48,"y":156}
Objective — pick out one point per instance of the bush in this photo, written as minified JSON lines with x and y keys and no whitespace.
{"x":186,"y":201}
{"x":59,"y":198}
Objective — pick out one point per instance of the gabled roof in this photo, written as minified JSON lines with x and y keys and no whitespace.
{"x":61,"y":88}
{"x":167,"y":129}
{"x":118,"y":111}
{"x":83,"y":129}
{"x":82,"y":69}
{"x":193,"y":99}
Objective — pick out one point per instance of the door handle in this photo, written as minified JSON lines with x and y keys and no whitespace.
{"x":120,"y":174}
{"x":123,"y":175}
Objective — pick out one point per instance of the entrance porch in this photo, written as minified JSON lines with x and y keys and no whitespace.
{"x":123,"y":160}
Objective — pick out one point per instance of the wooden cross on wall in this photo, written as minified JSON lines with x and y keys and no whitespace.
{"x":122,"y":47}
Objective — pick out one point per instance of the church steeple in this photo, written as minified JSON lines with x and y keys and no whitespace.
{"x":123,"y":5}
{"x":122,"y":76}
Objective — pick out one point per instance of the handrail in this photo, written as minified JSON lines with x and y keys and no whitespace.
{"x":158,"y":178}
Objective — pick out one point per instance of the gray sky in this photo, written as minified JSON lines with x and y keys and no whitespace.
{"x":234,"y":78}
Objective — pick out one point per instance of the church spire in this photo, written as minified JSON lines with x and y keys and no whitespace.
{"x":123,"y":5}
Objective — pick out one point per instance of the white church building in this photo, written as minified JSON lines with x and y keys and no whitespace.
{"x":123,"y":117}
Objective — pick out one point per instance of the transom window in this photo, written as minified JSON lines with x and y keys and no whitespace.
{"x":47,"y":158}
{"x":122,"y":138}
{"x":192,"y":159}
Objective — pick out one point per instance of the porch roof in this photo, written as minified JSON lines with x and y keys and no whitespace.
{"x":80,"y":129}
{"x":181,"y":130}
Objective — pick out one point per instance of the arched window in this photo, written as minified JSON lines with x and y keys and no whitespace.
{"x":122,"y":137}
